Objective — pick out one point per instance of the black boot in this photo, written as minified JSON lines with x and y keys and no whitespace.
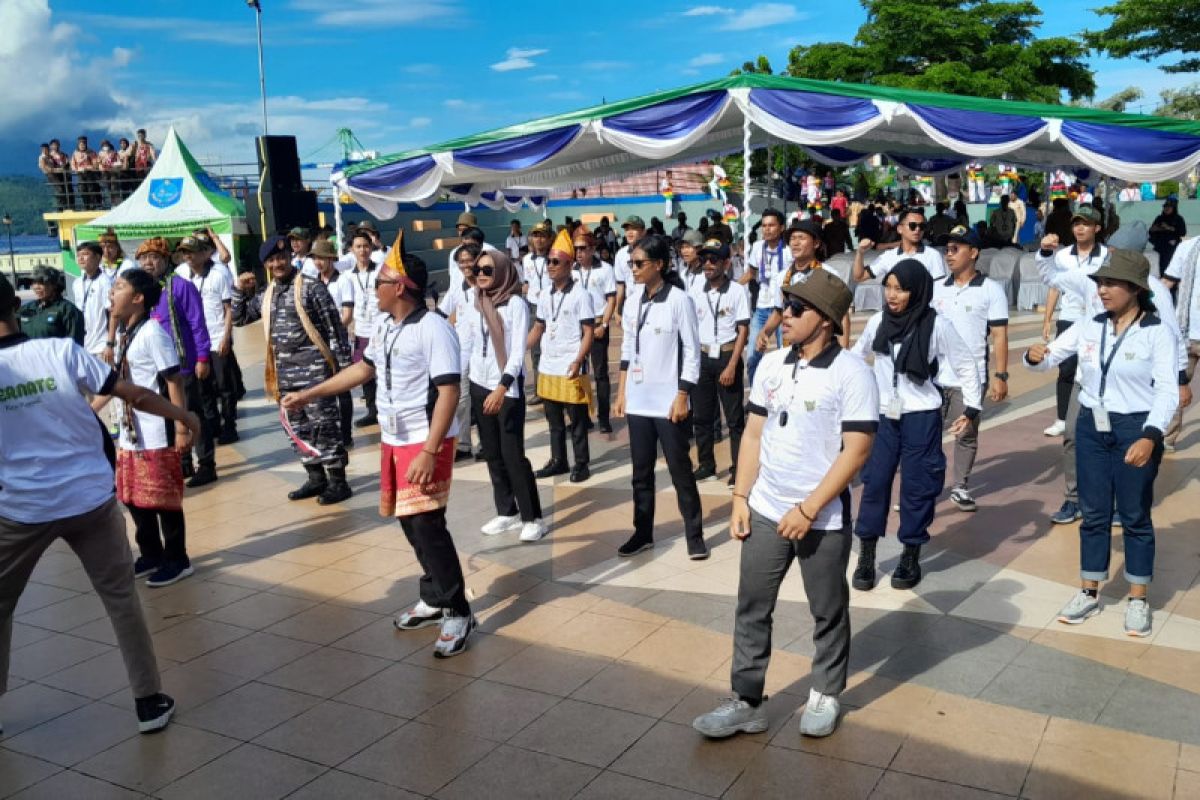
{"x":338,"y":490}
{"x":908,"y":571}
{"x":864,"y":573}
{"x":202,"y":477}
{"x":551,"y":469}
{"x":312,"y":487}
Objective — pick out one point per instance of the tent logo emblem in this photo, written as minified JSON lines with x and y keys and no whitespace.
{"x":165,"y":192}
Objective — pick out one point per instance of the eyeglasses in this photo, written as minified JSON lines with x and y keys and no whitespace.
{"x":916,"y":226}
{"x":711,"y":258}
{"x":638,"y":263}
{"x":796,"y":307}
{"x":387,"y":281}
{"x":489,"y":271}
{"x":579,"y":247}
{"x":556,"y":261}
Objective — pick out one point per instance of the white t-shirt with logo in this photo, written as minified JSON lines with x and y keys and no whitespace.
{"x":216,"y":290}
{"x":563,"y":314}
{"x":932,"y":260}
{"x":771,"y":263}
{"x":660,"y":349}
{"x":535,"y":273}
{"x":515,"y":244}
{"x":973,"y":309}
{"x":52,"y":463}
{"x":824,"y":398}
{"x":366,"y":302}
{"x":599,"y":281}
{"x":719,"y":312}
{"x":424,"y":352}
{"x":91,"y":296}
{"x":152,"y":361}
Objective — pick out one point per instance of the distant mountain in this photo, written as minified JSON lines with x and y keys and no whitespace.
{"x":26,"y":198}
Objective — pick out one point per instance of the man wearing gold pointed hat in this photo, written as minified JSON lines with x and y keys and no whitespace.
{"x":564,"y":326}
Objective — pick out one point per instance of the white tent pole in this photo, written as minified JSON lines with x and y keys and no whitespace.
{"x":770,"y":171}
{"x":337,"y":220}
{"x":745,"y":187}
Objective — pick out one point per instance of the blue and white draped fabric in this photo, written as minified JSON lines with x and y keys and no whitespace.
{"x":927,"y":165}
{"x":520,"y":153}
{"x":809,"y":118}
{"x":836,"y":156}
{"x":979,"y":134}
{"x":665,"y":129}
{"x":1122,"y":155}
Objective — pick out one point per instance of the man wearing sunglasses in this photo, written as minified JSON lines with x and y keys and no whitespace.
{"x":723,"y":312}
{"x":978,"y":308}
{"x":535,"y":275}
{"x":911,"y":227}
{"x":598,"y":279}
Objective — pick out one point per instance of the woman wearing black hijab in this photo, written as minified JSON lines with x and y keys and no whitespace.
{"x":907,"y":340}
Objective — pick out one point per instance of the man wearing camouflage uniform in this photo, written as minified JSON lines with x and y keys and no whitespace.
{"x":306,"y":344}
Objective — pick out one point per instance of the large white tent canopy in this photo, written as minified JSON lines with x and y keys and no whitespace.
{"x":837,"y":123}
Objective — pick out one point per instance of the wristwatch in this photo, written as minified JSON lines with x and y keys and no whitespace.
{"x":1002,"y":376}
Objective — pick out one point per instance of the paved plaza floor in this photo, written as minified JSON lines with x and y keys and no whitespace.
{"x":291,"y":681}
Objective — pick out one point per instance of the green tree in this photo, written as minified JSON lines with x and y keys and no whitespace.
{"x":1148,"y":29}
{"x":760,"y":65}
{"x":1180,"y":103}
{"x":971,"y":47}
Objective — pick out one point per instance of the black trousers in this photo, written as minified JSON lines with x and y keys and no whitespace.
{"x":171,"y":545}
{"x":224,"y":375}
{"x":346,"y":407}
{"x":201,"y":398}
{"x":556,"y":413}
{"x":1066,"y":375}
{"x":706,"y":396}
{"x":599,"y":359}
{"x":502,"y":437}
{"x":645,"y":435}
{"x":442,"y":584}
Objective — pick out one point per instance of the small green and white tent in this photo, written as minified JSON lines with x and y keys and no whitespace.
{"x":176,"y":198}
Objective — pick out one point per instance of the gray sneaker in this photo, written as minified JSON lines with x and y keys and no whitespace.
{"x":1080,"y":608}
{"x":1137,"y":617}
{"x":734,"y":715}
{"x":820,"y":715}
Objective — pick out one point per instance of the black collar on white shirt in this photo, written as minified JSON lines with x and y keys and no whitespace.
{"x":660,"y":296}
{"x":724,"y":285}
{"x":976,"y":281}
{"x":823,"y":359}
{"x":12,"y":340}
{"x":1148,"y":320}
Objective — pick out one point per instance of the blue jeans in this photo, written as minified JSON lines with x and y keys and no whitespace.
{"x":1103,"y":477}
{"x":757,"y":321}
{"x":912,"y":444}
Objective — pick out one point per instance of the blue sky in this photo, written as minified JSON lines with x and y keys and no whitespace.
{"x":400,"y":73}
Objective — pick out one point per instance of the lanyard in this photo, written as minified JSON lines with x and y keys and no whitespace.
{"x":88,"y":285}
{"x":783,"y":416}
{"x":562,"y":300}
{"x":585,"y":276}
{"x":716,"y":311}
{"x":203,"y":278}
{"x":637,"y":339}
{"x":692,"y":278}
{"x":363,"y":284}
{"x":766,"y":258}
{"x":1105,"y":364}
{"x":388,"y":344}
{"x":539,"y":267}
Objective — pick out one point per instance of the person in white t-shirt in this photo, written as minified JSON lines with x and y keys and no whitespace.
{"x":535,"y":277}
{"x":91,"y":296}
{"x":634,"y":228}
{"x":149,"y":465}
{"x":497,"y":354}
{"x":57,"y":474}
{"x":660,"y":364}
{"x":413,"y":352}
{"x":978,"y":308}
{"x":517,"y":243}
{"x":597,"y":278}
{"x":366,"y":310}
{"x":564,"y":325}
{"x":813,"y":416}
{"x":218,"y":406}
{"x":723,"y":322}
{"x":911,"y":226}
{"x":454,"y":304}
{"x":908,"y":341}
{"x":769,"y":259}
{"x":1181,"y":276}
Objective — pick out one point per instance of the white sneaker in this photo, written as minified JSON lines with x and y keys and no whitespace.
{"x":532,"y":531}
{"x":499,"y":525}
{"x":1137,"y":617}
{"x":453,"y":639}
{"x":1057,"y":429}
{"x":820,"y":715}
{"x":419,"y":616}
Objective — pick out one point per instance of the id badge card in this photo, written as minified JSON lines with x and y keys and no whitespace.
{"x":636,"y":373}
{"x":714,"y":351}
{"x":390,"y":424}
{"x":552,"y":330}
{"x":894,"y":408}
{"x":1100,"y":416}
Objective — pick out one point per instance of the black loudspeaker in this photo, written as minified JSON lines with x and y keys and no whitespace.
{"x":280,"y":212}
{"x":279,"y":164}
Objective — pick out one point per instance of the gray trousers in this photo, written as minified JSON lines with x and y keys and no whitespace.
{"x":966,"y":445}
{"x":1068,"y":456}
{"x":463,"y":411}
{"x":1176,"y":426}
{"x":766,"y":557}
{"x":98,"y":538}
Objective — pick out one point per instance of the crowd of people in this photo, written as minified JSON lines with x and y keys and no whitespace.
{"x":86,"y":179}
{"x":153,"y":342}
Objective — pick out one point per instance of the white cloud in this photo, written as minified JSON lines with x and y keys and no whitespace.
{"x":542,"y":78}
{"x":181,"y":29}
{"x":379,"y":13}
{"x":51,"y":90}
{"x":706,"y":11}
{"x":763,"y":15}
{"x":454,"y":102}
{"x":707,"y":60}
{"x":518,"y":58}
{"x":420,"y":122}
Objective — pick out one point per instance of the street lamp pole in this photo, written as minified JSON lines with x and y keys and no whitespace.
{"x":12,"y":253}
{"x":262,"y":74}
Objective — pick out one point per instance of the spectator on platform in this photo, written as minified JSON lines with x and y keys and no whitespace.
{"x":144,"y":155}
{"x":53,"y":164}
{"x":109,"y":162}
{"x":50,"y":314}
{"x":85,"y":164}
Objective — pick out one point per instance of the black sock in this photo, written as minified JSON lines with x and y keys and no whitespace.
{"x":751,"y":701}
{"x":1091,"y":593}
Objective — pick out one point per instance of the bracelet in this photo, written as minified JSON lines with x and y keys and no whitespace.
{"x":742,"y":496}
{"x":803,"y":513}
{"x":426,"y":452}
